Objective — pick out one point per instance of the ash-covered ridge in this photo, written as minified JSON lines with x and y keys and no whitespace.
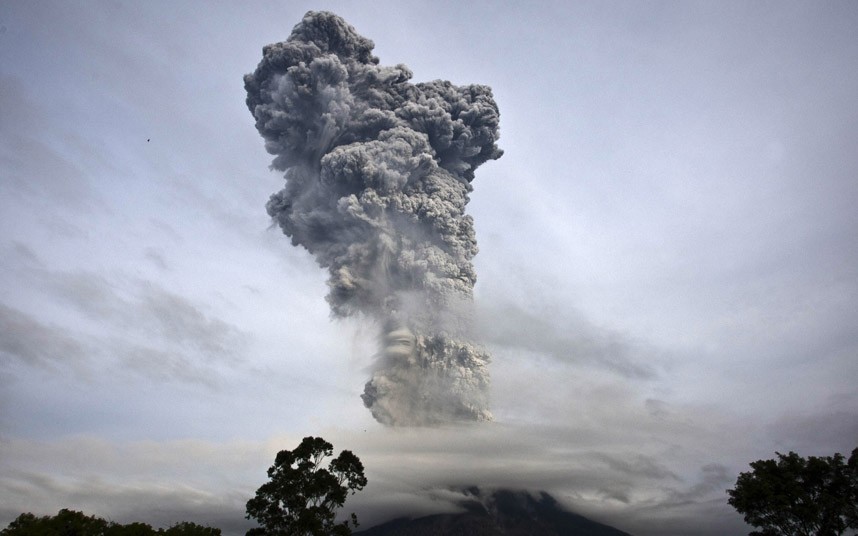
{"x":378,"y":172}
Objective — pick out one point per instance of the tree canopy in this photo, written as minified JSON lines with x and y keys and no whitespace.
{"x":301,"y":497}
{"x":74,"y":523}
{"x":799,"y":496}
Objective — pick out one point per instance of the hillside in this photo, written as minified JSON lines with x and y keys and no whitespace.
{"x":506,"y":512}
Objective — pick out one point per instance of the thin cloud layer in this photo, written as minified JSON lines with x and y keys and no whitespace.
{"x":566,"y":337}
{"x":25,"y":339}
{"x":152,"y":331}
{"x":411,"y":472}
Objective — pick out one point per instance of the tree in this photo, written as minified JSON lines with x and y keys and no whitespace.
{"x":73,"y":523}
{"x":301,"y":497}
{"x":794,"y":496}
{"x":186,"y":528}
{"x":65,"y":523}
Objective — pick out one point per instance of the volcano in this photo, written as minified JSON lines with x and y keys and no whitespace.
{"x":502,"y":512}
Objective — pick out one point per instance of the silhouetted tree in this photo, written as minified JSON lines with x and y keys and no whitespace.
{"x":73,"y":523}
{"x":794,"y":496}
{"x":301,"y":497}
{"x":186,"y":528}
{"x":65,"y":523}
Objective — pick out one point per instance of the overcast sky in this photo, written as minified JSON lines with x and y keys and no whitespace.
{"x":667,"y":276}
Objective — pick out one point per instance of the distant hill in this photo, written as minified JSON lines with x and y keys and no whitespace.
{"x":503,"y":512}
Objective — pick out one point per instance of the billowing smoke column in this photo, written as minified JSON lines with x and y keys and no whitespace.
{"x":378,"y":172}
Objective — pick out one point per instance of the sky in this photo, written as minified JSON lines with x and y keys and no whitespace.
{"x":667,"y":275}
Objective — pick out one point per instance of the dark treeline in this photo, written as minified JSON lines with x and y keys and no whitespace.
{"x":73,"y":523}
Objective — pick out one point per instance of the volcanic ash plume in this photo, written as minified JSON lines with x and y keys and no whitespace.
{"x":378,"y":172}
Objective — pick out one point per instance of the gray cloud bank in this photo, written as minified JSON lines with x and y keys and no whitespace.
{"x":411,"y":472}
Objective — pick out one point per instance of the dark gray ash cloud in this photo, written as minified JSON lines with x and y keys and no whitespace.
{"x":378,"y":172}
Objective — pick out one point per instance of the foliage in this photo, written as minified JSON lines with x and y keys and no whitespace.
{"x":186,"y":528}
{"x":301,"y":497}
{"x":798,"y":496}
{"x":73,"y":523}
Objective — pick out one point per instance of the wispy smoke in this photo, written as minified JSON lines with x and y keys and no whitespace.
{"x":378,"y":172}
